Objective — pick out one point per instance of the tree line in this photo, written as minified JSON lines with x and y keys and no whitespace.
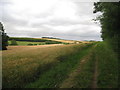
{"x":110,"y":22}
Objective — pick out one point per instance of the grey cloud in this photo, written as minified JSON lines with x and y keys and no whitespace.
{"x":7,"y":17}
{"x":13,"y":21}
{"x":45,"y":24}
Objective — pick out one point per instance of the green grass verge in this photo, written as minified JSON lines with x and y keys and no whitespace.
{"x":107,"y":66}
{"x":53,"y":77}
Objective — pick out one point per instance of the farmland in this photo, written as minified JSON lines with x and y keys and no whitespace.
{"x":59,"y":44}
{"x":40,"y":41}
{"x":24,"y":43}
{"x":60,"y":66}
{"x":31,"y":41}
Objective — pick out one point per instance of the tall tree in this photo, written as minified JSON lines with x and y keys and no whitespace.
{"x":110,"y":22}
{"x":3,"y":38}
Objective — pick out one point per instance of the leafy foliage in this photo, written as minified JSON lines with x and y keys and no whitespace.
{"x":109,"y":21}
{"x":3,"y":37}
{"x":52,"y":42}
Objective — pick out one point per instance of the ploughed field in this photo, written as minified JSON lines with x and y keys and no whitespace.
{"x":84,"y":65}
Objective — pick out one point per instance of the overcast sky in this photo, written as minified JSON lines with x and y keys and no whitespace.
{"x":67,"y":19}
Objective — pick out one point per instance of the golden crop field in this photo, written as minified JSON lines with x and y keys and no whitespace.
{"x":22,"y":62}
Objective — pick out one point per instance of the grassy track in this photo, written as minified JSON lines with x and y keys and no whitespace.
{"x":84,"y":78}
{"x":106,"y":75}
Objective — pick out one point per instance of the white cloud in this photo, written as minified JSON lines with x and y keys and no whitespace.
{"x":68,"y":19}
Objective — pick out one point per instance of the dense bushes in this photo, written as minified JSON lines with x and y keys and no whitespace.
{"x":29,"y":44}
{"x":52,"y":42}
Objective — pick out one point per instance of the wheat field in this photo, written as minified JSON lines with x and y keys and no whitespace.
{"x":20,"y":63}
